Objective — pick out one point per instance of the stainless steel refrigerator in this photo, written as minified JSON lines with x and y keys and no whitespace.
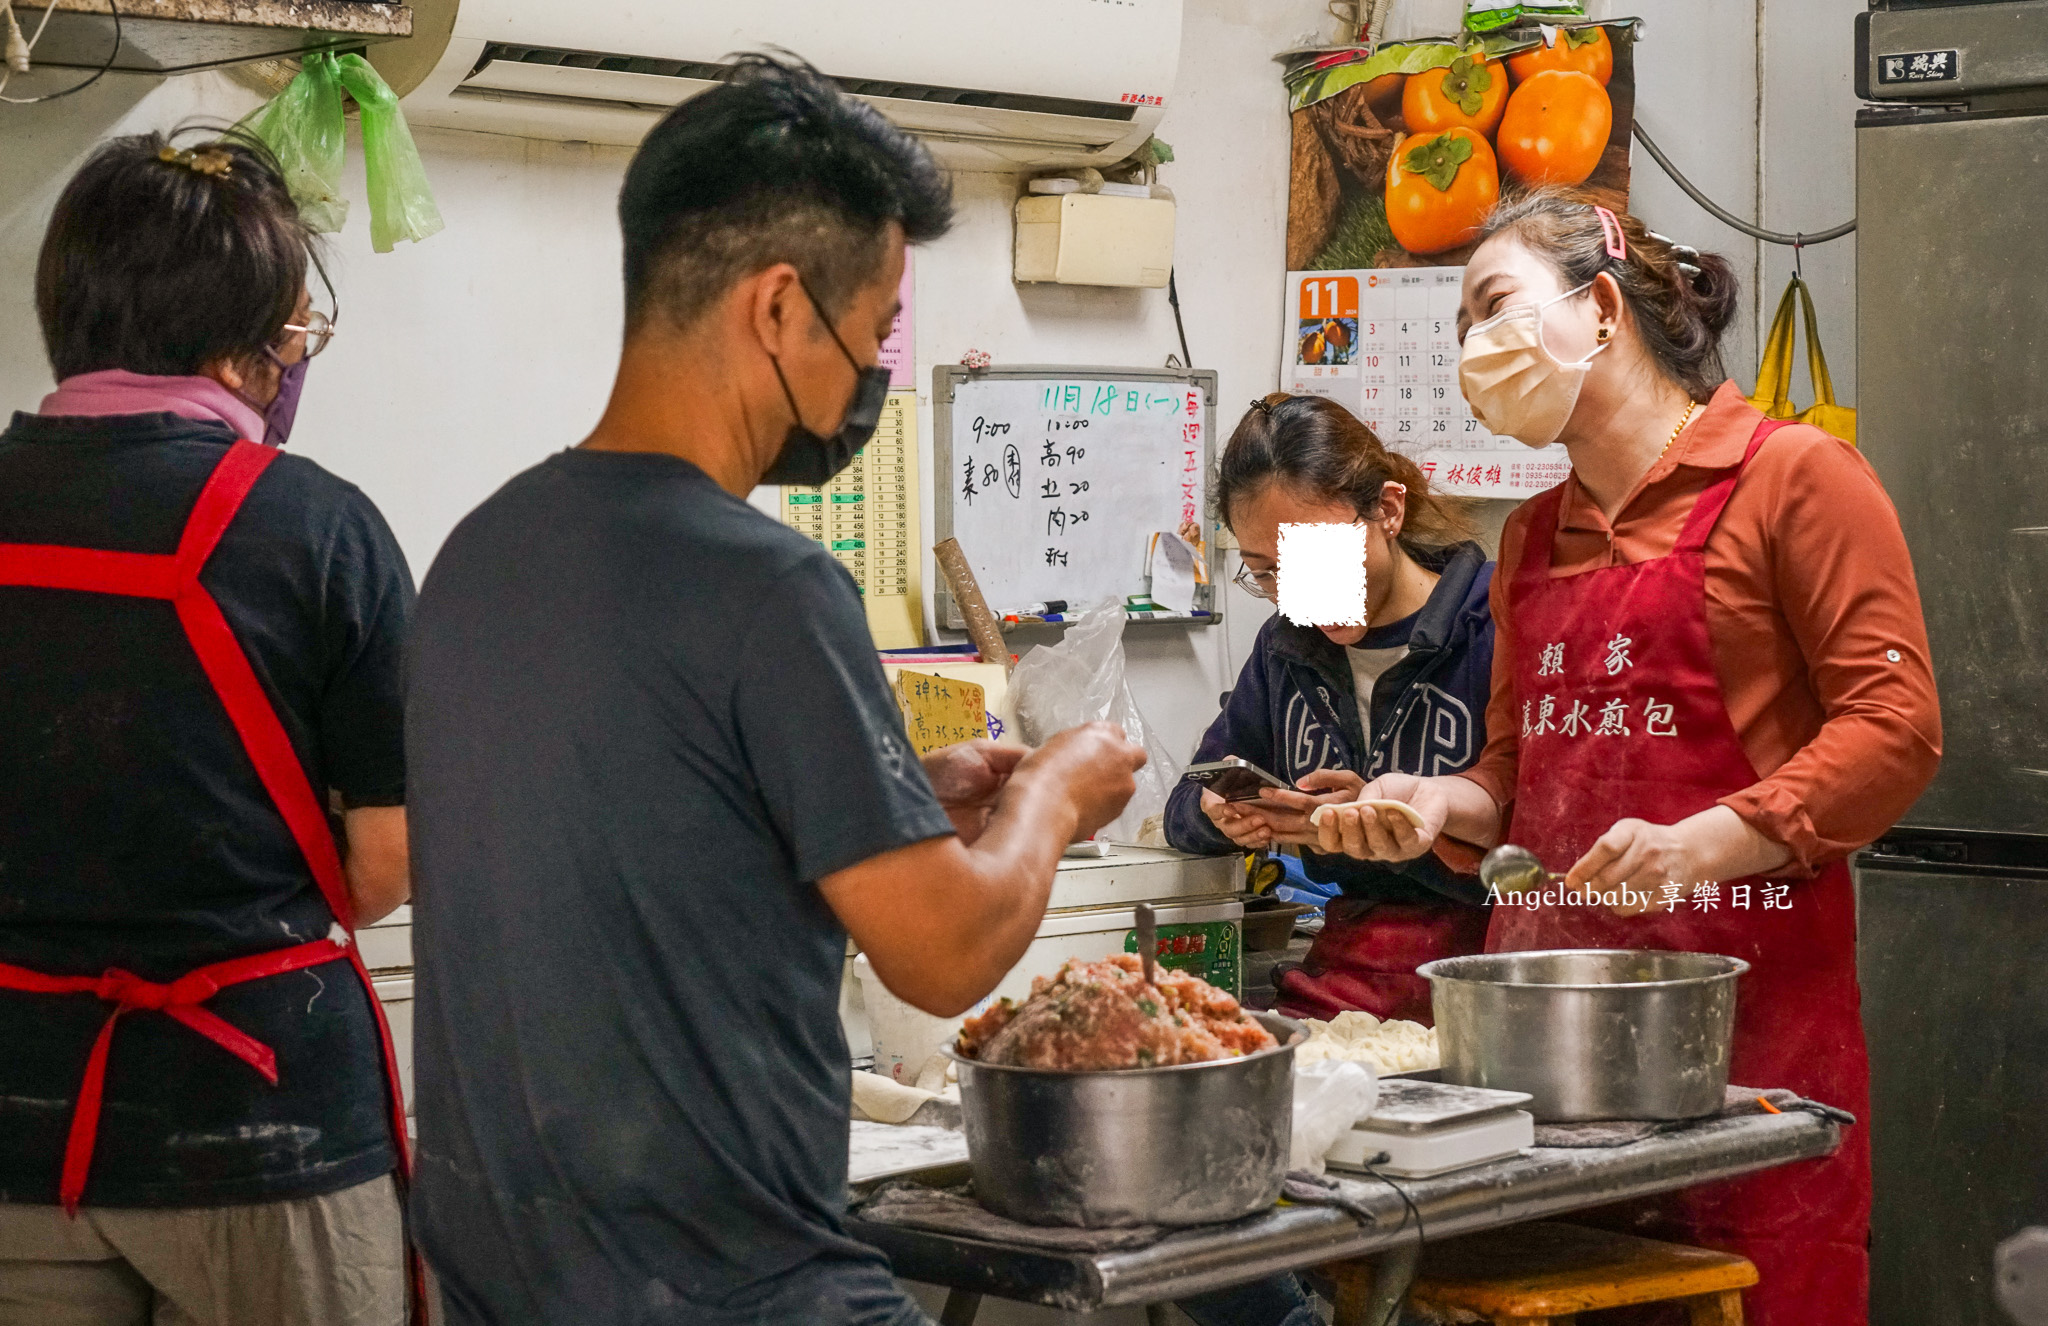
{"x":1952,"y":346}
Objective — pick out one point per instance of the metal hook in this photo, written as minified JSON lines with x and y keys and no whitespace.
{"x":1798,"y":250}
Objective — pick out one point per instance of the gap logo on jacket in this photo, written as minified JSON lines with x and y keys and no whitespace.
{"x":1293,"y":712}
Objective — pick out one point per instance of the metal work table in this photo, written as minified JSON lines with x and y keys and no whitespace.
{"x":1538,"y":1184}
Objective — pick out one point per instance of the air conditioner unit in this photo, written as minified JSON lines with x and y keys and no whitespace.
{"x":989,"y":84}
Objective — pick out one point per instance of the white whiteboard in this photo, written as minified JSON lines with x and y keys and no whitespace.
{"x":1054,"y":481}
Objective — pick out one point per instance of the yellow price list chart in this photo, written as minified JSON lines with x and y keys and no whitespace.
{"x":867,"y":517}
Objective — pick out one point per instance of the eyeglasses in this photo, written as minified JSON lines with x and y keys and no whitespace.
{"x":1266,"y":584}
{"x":1259,"y":584}
{"x":318,"y":328}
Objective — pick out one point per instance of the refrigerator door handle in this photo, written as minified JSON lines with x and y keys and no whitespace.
{"x":1923,"y":852}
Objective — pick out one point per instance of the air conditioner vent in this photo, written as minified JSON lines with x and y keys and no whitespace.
{"x":1108,"y":111}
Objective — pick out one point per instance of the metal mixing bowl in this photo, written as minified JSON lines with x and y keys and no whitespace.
{"x":1590,"y":1033}
{"x":1189,"y":1144}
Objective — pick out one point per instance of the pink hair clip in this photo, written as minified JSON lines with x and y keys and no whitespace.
{"x":1610,"y":230}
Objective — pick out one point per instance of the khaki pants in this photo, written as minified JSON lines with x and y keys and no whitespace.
{"x":337,"y":1260}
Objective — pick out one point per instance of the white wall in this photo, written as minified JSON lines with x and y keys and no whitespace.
{"x":1808,"y":168}
{"x":1696,"y":92}
{"x":469,"y":357}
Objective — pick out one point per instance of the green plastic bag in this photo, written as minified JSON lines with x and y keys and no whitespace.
{"x":303,"y":126}
{"x":1491,"y":15}
{"x":401,"y":203}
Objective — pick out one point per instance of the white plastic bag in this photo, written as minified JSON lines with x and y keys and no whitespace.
{"x":1081,"y":680}
{"x":1329,"y":1097}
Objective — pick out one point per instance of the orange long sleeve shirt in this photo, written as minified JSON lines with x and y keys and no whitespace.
{"x":1814,"y":617}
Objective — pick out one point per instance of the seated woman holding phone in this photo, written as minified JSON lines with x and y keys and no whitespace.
{"x":1319,"y":711}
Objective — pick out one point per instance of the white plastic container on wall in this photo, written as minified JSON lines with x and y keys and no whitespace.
{"x":1094,"y":239}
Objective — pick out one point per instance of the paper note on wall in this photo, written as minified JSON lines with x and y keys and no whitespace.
{"x":867,"y":517}
{"x":1173,"y":572}
{"x":899,"y":348}
{"x":1001,"y":714}
{"x":939,"y":711}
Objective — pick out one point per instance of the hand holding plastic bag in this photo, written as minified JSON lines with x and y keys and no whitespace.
{"x":1081,"y":680}
{"x":1329,"y":1096}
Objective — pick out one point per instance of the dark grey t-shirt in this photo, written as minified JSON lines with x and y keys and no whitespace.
{"x":642,"y":720}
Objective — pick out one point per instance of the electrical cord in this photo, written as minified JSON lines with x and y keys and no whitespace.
{"x":1728,"y":218}
{"x":97,"y":74}
{"x":28,"y":46}
{"x":1421,"y":1237}
{"x":1173,"y":298}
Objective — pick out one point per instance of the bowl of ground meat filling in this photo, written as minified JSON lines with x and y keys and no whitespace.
{"x":1108,"y":1100}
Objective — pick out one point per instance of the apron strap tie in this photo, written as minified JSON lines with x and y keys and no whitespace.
{"x":179,"y":999}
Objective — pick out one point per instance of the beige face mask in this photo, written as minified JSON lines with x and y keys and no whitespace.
{"x":1514,"y":385}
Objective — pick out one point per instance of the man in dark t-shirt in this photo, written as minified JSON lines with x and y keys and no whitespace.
{"x":657,"y":776}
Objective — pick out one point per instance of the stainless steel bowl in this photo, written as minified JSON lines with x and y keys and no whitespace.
{"x":1590,"y":1033}
{"x":1186,"y":1145}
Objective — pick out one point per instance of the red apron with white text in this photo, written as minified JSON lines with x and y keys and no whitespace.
{"x":1623,"y":718}
{"x":1366,"y":954}
{"x":175,"y":577}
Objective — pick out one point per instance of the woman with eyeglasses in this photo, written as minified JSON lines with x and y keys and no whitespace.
{"x":202,"y":781}
{"x":1329,"y":707}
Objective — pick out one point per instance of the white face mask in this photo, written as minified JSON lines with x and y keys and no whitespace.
{"x":1514,"y":385}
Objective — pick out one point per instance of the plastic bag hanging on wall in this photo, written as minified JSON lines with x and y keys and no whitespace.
{"x":401,"y":201}
{"x":1774,"y":371}
{"x":304,"y":126}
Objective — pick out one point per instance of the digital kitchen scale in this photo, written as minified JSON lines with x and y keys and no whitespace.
{"x":1430,"y":1128}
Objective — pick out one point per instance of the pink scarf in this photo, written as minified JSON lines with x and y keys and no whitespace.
{"x":117,"y":391}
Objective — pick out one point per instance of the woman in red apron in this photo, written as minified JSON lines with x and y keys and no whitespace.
{"x":1327,"y":707}
{"x":1712,"y":684}
{"x":200,"y":1111}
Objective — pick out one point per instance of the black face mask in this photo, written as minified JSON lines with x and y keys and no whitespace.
{"x":808,"y":459}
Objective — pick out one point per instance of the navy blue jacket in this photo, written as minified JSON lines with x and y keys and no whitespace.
{"x":1293,"y":711}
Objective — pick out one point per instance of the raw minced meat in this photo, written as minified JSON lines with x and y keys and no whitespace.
{"x":1104,"y":1015}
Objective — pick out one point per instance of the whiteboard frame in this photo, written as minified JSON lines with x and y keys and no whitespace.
{"x":946,"y":378}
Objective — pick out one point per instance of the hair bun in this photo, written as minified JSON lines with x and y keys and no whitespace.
{"x":1714,"y":290}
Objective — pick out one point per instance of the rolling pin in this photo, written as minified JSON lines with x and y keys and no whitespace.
{"x":981,"y":623}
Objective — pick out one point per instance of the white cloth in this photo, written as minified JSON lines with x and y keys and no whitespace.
{"x":1366,"y":667}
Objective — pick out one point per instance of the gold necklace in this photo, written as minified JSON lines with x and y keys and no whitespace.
{"x":1683,"y":420}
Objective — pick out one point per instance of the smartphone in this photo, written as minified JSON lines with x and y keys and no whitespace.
{"x":1234,"y":779}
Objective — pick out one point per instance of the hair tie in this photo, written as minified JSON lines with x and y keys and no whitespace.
{"x":1262,"y":407}
{"x":1610,"y":230}
{"x":201,"y":161}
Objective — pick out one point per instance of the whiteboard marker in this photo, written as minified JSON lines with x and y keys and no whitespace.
{"x":1049,"y":606}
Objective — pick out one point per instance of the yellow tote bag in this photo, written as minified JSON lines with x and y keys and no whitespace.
{"x":1774,"y":374}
